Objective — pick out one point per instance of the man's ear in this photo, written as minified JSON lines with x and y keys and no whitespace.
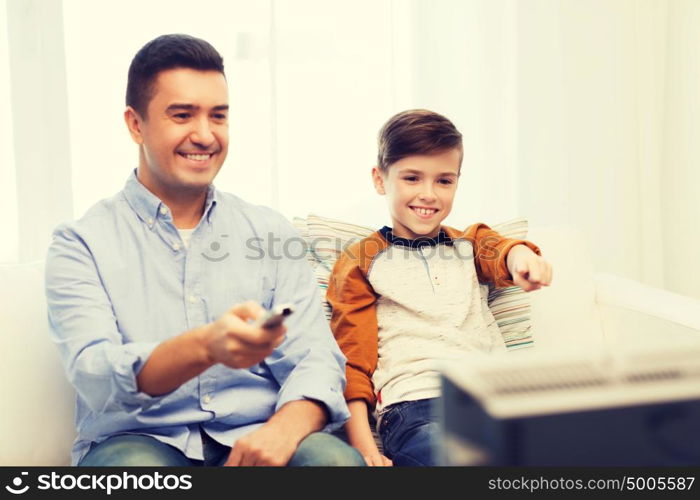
{"x":378,"y":180}
{"x":133,"y":122}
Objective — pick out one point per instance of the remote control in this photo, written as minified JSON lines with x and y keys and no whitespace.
{"x":275,"y":316}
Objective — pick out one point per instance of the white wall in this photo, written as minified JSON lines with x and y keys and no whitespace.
{"x":680,"y":177}
{"x":334,"y":88}
{"x":465,"y":67}
{"x":590,"y":124}
{"x":101,"y":40}
{"x":579,"y":113}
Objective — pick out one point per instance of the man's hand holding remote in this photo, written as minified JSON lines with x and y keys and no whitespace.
{"x":234,"y":341}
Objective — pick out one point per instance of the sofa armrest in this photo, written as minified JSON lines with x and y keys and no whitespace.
{"x":632,"y":312}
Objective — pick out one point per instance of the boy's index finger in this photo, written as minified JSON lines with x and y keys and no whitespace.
{"x":523,"y":273}
{"x":534,"y":276}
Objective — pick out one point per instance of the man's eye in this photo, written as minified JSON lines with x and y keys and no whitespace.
{"x":220,"y":116}
{"x":182,"y":116}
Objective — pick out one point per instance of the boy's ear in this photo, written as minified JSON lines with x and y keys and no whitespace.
{"x":378,"y":180}
{"x":133,"y":122}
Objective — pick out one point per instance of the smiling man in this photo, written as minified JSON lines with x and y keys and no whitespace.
{"x":157,"y":336}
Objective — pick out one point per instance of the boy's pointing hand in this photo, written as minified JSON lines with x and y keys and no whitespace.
{"x":529,"y":270}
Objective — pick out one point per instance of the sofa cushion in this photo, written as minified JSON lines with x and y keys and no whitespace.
{"x":38,"y":416}
{"x":565,"y":315}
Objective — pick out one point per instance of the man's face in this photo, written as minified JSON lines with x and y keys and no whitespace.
{"x":419,"y":190}
{"x":184,"y":138}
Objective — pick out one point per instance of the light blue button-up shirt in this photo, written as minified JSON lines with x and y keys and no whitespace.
{"x":119,"y":281}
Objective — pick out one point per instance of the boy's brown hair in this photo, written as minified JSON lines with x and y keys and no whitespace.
{"x":416,"y":132}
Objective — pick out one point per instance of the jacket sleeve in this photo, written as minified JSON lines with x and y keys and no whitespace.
{"x":491,"y":252}
{"x":354,"y":324}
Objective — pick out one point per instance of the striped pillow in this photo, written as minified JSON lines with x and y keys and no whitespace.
{"x":327,"y":238}
{"x":511,"y":306}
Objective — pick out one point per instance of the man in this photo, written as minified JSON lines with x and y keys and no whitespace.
{"x":141,"y":293}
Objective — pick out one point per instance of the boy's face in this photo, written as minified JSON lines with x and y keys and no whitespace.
{"x":184,"y":138}
{"x":419,"y":190}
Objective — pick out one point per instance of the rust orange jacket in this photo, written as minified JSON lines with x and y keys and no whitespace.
{"x":354,"y":301}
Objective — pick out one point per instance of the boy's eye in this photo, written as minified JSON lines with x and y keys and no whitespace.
{"x":445,"y":181}
{"x":410,"y":178}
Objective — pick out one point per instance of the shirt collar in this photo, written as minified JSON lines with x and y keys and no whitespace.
{"x":423,"y":241}
{"x":148,"y":206}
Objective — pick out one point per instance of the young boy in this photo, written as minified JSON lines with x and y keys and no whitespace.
{"x":408,"y":296}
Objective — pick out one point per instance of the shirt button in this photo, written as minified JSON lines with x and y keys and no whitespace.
{"x":163,"y":210}
{"x":150,"y":222}
{"x":176,"y":246}
{"x":206,"y":399}
{"x":192,"y":299}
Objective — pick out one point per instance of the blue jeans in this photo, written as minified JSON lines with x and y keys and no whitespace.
{"x":317,"y":449}
{"x":410,"y":433}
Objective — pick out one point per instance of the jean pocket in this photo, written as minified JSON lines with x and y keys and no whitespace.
{"x":390,"y":422}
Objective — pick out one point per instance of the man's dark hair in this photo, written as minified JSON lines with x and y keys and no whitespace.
{"x":164,"y":53}
{"x":416,"y":132}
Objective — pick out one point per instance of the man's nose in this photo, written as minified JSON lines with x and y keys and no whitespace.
{"x":202,"y":134}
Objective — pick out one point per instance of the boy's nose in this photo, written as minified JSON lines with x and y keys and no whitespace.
{"x":427,"y":194}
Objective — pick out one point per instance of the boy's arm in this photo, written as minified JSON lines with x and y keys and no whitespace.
{"x":354,"y":325}
{"x":360,"y":434}
{"x":491,"y":251}
{"x":529,"y":271}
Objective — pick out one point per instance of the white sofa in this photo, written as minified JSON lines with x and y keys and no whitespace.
{"x":579,"y":309}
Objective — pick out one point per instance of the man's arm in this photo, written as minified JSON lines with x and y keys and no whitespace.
{"x":109,"y":373}
{"x":230,"y":340}
{"x":308,"y":366}
{"x":275,"y":442}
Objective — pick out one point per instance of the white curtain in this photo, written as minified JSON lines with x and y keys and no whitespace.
{"x":8,"y":183}
{"x":36,"y":125}
{"x":579,"y":113}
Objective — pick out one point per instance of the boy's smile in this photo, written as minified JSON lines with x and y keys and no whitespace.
{"x":419,"y":190}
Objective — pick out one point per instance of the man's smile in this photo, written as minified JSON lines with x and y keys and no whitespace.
{"x":197,"y":156}
{"x":199,"y":160}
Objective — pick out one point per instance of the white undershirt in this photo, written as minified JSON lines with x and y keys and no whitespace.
{"x":186,"y":234}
